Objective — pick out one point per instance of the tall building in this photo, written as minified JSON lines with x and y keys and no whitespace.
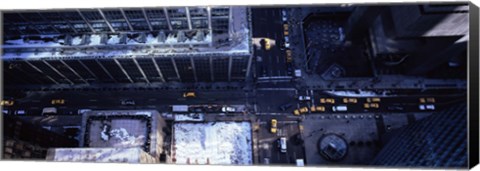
{"x":439,"y":140}
{"x":126,"y":45}
{"x":426,"y":39}
{"x":367,"y":41}
{"x":23,"y":140}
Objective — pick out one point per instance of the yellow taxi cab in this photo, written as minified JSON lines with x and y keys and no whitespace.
{"x":431,"y":100}
{"x":296,"y":112}
{"x":189,"y":94}
{"x":304,"y":110}
{"x":317,"y":109}
{"x":6,"y":103}
{"x":349,"y":100}
{"x":273,"y":129}
{"x":373,"y":99}
{"x":327,"y":100}
{"x":58,"y":101}
{"x":267,"y":44}
{"x":285,"y":29}
{"x":371,"y":105}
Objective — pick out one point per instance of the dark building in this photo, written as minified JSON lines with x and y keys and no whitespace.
{"x":439,"y":140}
{"x":131,"y":45}
{"x":422,"y":40}
{"x":27,"y":141}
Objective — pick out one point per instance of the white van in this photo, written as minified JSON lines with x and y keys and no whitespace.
{"x":282,"y":144}
{"x":341,"y":108}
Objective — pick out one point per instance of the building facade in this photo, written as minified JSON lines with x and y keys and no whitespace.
{"x":130,"y":45}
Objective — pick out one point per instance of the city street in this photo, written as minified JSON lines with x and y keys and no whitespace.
{"x":268,"y":24}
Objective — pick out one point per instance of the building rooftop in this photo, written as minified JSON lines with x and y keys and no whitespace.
{"x":159,"y":43}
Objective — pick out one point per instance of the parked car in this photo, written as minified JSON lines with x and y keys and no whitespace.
{"x":228,"y":109}
{"x":304,"y":98}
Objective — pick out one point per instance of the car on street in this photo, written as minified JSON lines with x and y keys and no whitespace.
{"x":349,"y":100}
{"x":303,"y":110}
{"x":427,"y":100}
{"x":298,"y":73}
{"x":228,"y":109}
{"x":373,"y":100}
{"x":304,"y":98}
{"x":285,"y":107}
{"x":371,"y":105}
{"x":284,"y":16}
{"x":282,"y":144}
{"x":341,"y":108}
{"x":20,"y":112}
{"x":327,"y":100}
{"x":189,"y":94}
{"x":268,"y":46}
{"x":128,"y":102}
{"x":426,"y":107}
{"x":7,"y":103}
{"x":273,"y":128}
{"x":285,"y":29}
{"x":288,"y":53}
{"x":317,"y":109}
{"x":58,"y":101}
{"x":287,"y":42}
{"x":300,"y":111}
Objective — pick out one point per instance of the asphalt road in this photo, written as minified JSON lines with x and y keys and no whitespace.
{"x":269,"y":142}
{"x":147,"y":99}
{"x":267,"y":23}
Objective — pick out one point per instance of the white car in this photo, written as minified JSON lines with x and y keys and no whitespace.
{"x":339,"y":108}
{"x":282,"y":144}
{"x":228,"y":109}
{"x":284,"y":15}
{"x":298,"y":73}
{"x":304,"y":98}
{"x":426,"y":107}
